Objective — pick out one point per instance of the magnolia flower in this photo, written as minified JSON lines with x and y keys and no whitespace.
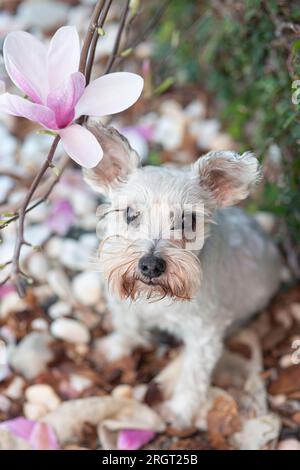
{"x":57,"y":92}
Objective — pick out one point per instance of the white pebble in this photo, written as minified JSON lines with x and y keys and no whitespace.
{"x":54,"y":247}
{"x":74,"y":255}
{"x":60,"y":284}
{"x":38,"y":266}
{"x":39,"y":324}
{"x":122,"y":391}
{"x":31,"y":355}
{"x":42,"y":394}
{"x":83,"y":202}
{"x":59,"y":309}
{"x":34,"y":411}
{"x":87,"y":288}
{"x":286,"y":361}
{"x":295,"y":311}
{"x":15,"y":388}
{"x":70,"y":330}
{"x":11,"y":303}
{"x":44,"y":15}
{"x":4,"y":403}
{"x":79,"y":382}
{"x":289,"y":444}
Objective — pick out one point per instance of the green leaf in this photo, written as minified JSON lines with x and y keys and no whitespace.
{"x":101,"y":31}
{"x":126,"y":52}
{"x":154,"y":158}
{"x":8,"y":214}
{"x":45,"y":131}
{"x":164,"y":86}
{"x":134,"y":5}
{"x":55,"y":170}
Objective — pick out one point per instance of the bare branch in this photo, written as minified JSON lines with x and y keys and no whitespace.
{"x":17,"y":276}
{"x":118,"y":38}
{"x":94,"y":41}
{"x":87,"y":57}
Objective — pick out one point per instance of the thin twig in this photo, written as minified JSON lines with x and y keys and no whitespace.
{"x":17,"y":276}
{"x":91,"y":56}
{"x":86,"y":63}
{"x":16,"y":273}
{"x":89,"y":35}
{"x":141,"y":35}
{"x":46,"y":194}
{"x":118,"y":38}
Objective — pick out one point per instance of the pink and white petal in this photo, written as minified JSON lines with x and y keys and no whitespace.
{"x":110,"y":94}
{"x":134,"y":439}
{"x":2,"y":86}
{"x":63,"y":55}
{"x":20,"y":427}
{"x":17,"y":106}
{"x":81,"y":145}
{"x":62,"y":100}
{"x":43,"y":437}
{"x":25,"y":62}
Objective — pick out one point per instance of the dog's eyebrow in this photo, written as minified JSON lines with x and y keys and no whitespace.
{"x":110,"y":212}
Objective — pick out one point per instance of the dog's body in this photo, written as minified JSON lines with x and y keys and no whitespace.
{"x":201,"y":292}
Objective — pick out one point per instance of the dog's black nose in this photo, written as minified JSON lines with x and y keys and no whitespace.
{"x":152,"y":266}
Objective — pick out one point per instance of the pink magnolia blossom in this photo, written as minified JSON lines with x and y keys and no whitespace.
{"x":57,"y":92}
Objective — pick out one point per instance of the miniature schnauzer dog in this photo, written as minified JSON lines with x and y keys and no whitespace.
{"x":177,"y":258}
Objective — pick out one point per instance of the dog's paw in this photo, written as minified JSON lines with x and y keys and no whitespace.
{"x":178,"y":411}
{"x":112,"y":347}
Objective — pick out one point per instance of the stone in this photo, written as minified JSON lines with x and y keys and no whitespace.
{"x":59,"y":309}
{"x":289,"y":444}
{"x":122,"y":391}
{"x":83,"y":202}
{"x":87,"y":288}
{"x":6,"y":184}
{"x":38,"y":266}
{"x":31,"y":356}
{"x":70,"y":330}
{"x":34,"y":411}
{"x":42,"y":394}
{"x":15,"y":389}
{"x":11,"y":303}
{"x":74,"y":255}
{"x":295,"y":311}
{"x":79,"y":383}
{"x":44,"y":15}
{"x":39,"y":324}
{"x":54,"y":247}
{"x":60,"y":284}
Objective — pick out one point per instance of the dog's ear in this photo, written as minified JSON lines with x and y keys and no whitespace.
{"x":118,"y":161}
{"x":227,"y":176}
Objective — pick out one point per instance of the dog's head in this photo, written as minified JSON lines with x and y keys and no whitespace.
{"x":156,"y":219}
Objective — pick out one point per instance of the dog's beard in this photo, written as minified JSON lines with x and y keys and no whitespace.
{"x":119,"y":259}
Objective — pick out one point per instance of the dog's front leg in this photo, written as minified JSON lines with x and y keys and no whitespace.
{"x":127,"y":335}
{"x":200,"y":356}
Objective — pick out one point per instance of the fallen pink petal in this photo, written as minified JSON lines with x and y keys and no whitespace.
{"x":61,"y":217}
{"x":134,"y":439}
{"x":39,"y":435}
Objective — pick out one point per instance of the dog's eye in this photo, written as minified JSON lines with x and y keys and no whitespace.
{"x":130,"y":215}
{"x":189,"y":221}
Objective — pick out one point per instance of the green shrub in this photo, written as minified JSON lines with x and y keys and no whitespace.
{"x":246,"y":54}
